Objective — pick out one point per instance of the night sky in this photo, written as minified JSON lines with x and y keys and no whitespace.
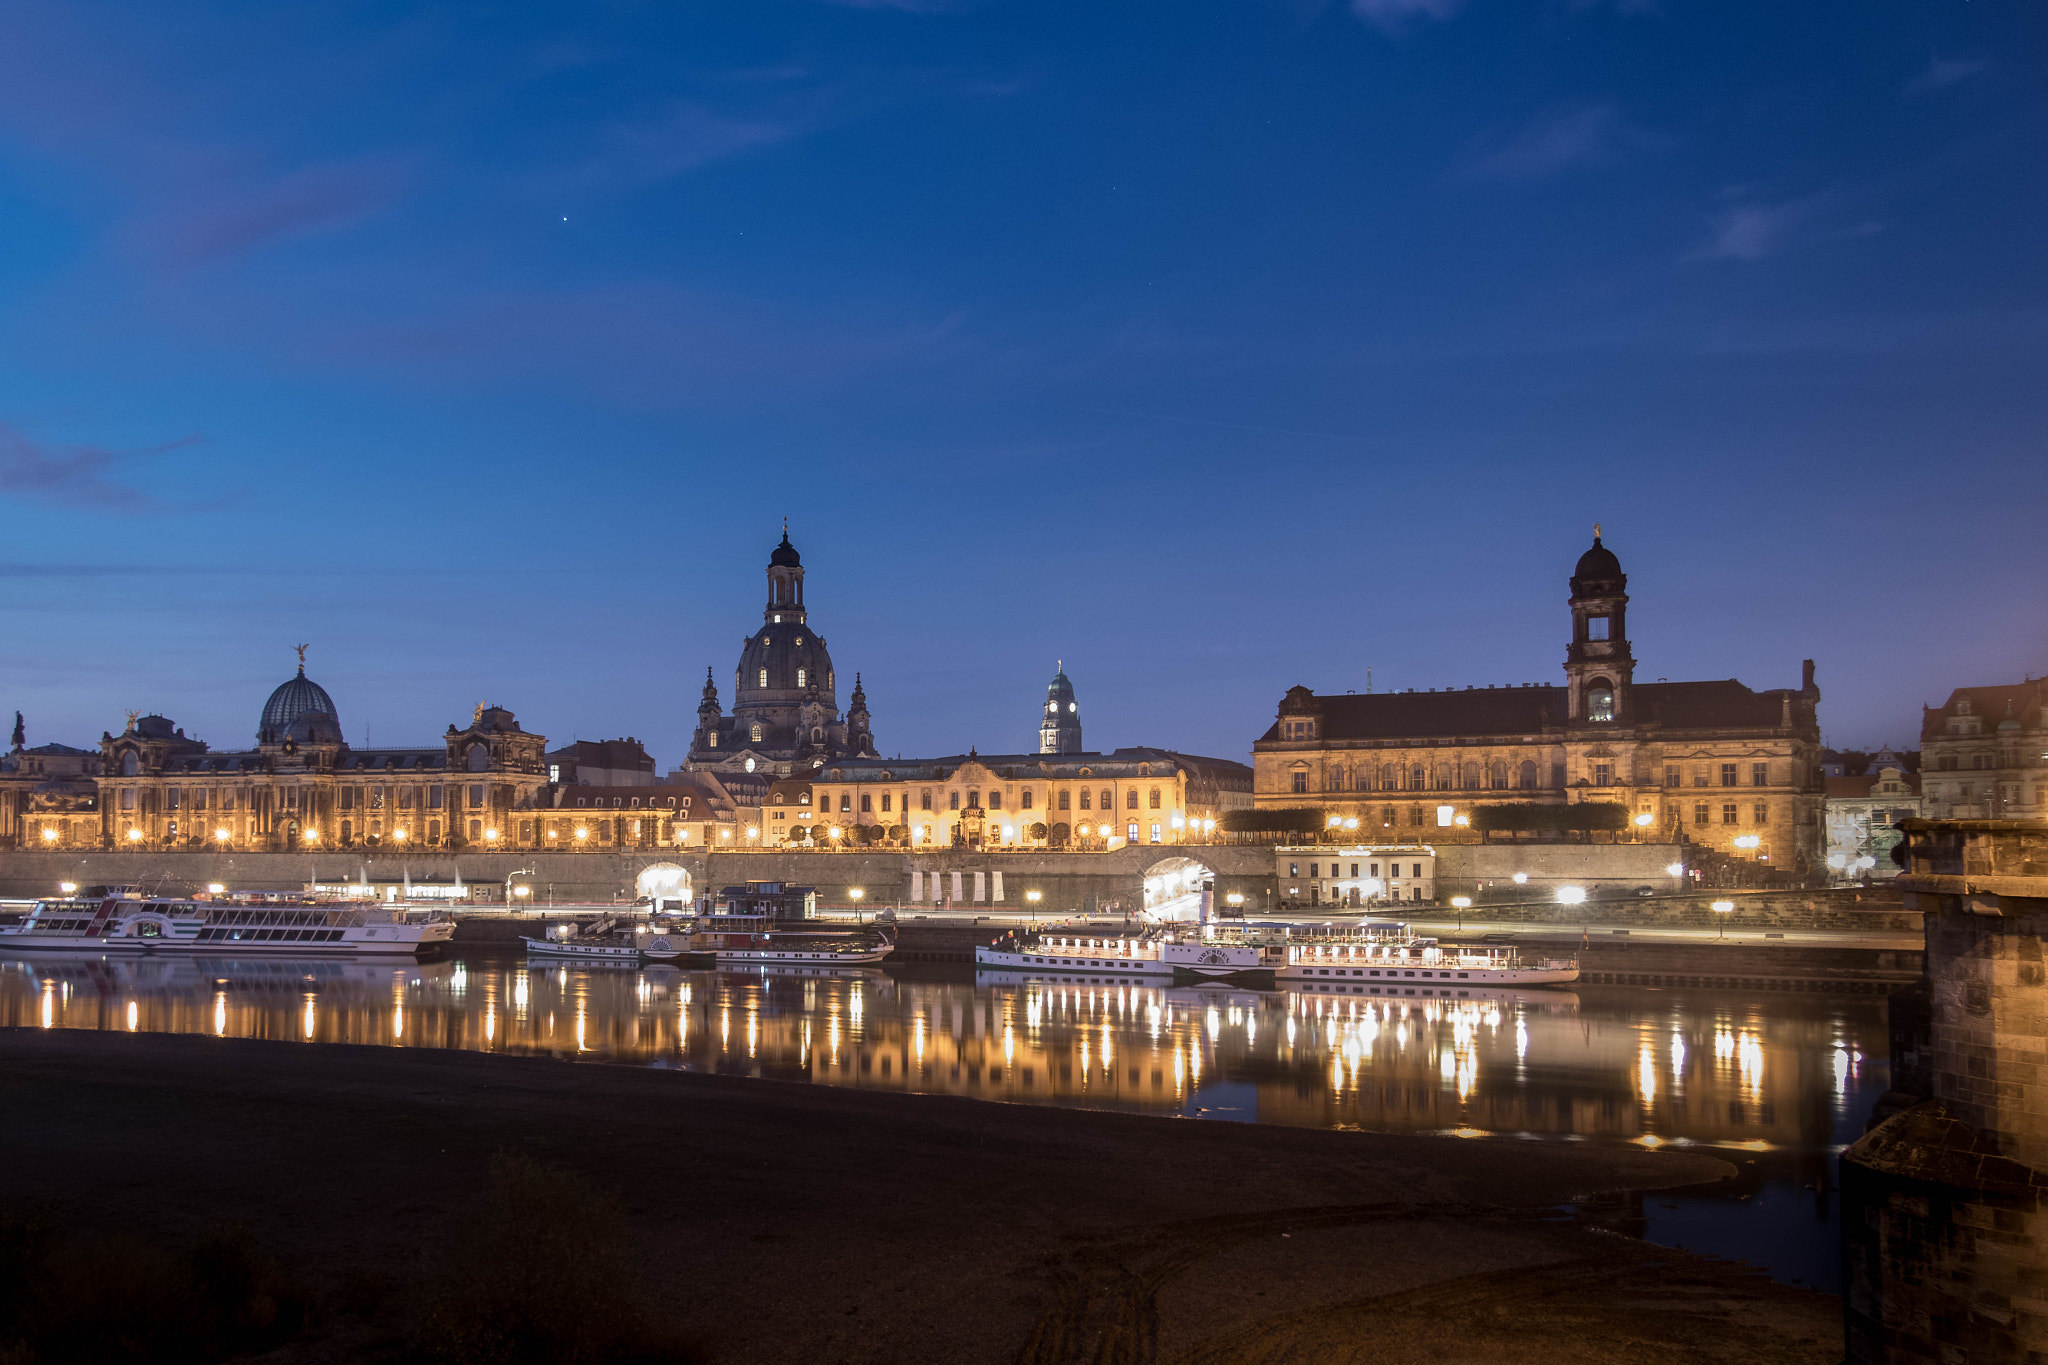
{"x":1210,"y":347}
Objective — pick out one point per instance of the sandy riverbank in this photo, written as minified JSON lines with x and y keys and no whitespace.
{"x":801,"y":1223}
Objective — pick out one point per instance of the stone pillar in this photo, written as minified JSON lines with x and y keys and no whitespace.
{"x":1944,"y":1224}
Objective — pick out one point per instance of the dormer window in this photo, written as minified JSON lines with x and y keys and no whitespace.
{"x":800,"y":677}
{"x":1600,"y":704}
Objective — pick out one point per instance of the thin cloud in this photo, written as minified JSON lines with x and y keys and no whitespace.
{"x":71,"y":475}
{"x":1750,"y":232}
{"x":1941,"y":74}
{"x":1393,"y":15}
{"x":310,"y":200}
{"x":1561,"y":142}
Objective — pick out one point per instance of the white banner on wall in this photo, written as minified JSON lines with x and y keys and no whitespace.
{"x":981,"y":886}
{"x":917,"y":886}
{"x":997,"y":894}
{"x":956,"y":886}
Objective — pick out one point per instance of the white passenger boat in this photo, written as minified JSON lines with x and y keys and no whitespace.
{"x":114,"y":919}
{"x":1155,"y":953}
{"x":612,"y":940}
{"x":1385,"y":953}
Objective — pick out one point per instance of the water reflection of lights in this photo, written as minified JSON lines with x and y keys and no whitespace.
{"x":305,"y":1022}
{"x":49,"y":1004}
{"x":490,"y":1024}
{"x":135,"y":1017}
{"x":1646,"y":1073}
{"x":220,"y":1013}
{"x":753,"y":1032}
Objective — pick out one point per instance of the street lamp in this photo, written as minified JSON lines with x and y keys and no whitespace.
{"x":1032,"y":898}
{"x":49,"y":836}
{"x":856,"y":895}
{"x":220,"y":836}
{"x":1571,"y":895}
{"x":214,"y":888}
{"x":1463,"y":903}
{"x":134,"y":835}
{"x":1724,"y":907}
{"x":68,"y":888}
{"x":1521,"y":879}
{"x":1674,"y":869}
{"x":491,"y":836}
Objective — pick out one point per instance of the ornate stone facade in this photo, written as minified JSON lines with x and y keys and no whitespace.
{"x":1984,"y":753}
{"x":1711,"y":762}
{"x":785,"y":713}
{"x":303,"y":786}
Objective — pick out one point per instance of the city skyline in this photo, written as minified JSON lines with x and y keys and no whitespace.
{"x":1213,"y":353}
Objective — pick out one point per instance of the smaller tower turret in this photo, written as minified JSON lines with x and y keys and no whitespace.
{"x":1059,"y":730}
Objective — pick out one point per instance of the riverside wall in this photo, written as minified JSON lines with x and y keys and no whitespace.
{"x":1067,"y":883}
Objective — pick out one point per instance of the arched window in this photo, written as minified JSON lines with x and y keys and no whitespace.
{"x":1600,"y":702}
{"x":1525,"y":776}
{"x":817,"y":734}
{"x":479,"y":758}
{"x":1336,"y":779}
{"x":1026,"y":799}
{"x":1446,"y":775}
{"x":128,"y":764}
{"x":1155,"y":798}
{"x":1085,"y":797}
{"x":1471,"y":776}
{"x":1130,"y":799}
{"x":1390,"y":777}
{"x":1416,"y":781}
{"x":1064,"y":796}
{"x":800,"y":677}
{"x":756,"y":731}
{"x":764,"y":677}
{"x":1497,"y":775}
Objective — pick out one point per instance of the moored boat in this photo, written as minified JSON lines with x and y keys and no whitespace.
{"x":114,"y":919}
{"x":1154,"y":953}
{"x":1386,"y":953}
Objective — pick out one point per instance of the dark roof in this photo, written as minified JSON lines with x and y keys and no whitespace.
{"x":61,"y":751}
{"x":784,"y":556}
{"x":1988,"y":703}
{"x":1505,"y":711}
{"x":666,"y":797}
{"x":1598,"y":562}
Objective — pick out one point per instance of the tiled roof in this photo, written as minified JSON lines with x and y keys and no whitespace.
{"x":1503,"y":711}
{"x":1988,"y":704}
{"x":1026,"y":767}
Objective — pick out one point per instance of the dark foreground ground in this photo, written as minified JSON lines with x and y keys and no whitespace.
{"x":762,"y":1221}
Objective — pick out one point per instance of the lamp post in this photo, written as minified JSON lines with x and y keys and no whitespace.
{"x":1032,"y":898}
{"x":1463,"y":903}
{"x":855,"y":894}
{"x":1724,"y":907}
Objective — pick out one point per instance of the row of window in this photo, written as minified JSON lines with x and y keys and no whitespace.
{"x":1497,"y":775}
{"x":632,"y":803}
{"x":994,"y":801}
{"x":425,"y":798}
{"x":1315,"y":870}
{"x":1731,"y":812}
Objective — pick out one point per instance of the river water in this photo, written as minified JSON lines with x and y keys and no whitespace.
{"x":1776,"y":1083}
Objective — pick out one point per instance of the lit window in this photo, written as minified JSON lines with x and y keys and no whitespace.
{"x":764,"y":677}
{"x":1600,"y":704}
{"x":800,"y":677}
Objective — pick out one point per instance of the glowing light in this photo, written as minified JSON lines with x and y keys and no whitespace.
{"x":49,"y":836}
{"x":1674,"y":869}
{"x":399,"y":835}
{"x":1643,"y":820}
{"x":220,"y":1013}
{"x":522,"y":891}
{"x":306,"y":1020}
{"x":49,"y":1004}
{"x":1747,"y":841}
{"x":855,"y":892}
{"x":134,"y":835}
{"x":582,"y":833}
{"x":1521,"y":879}
{"x":1462,"y":902}
{"x":214,"y":888}
{"x":1724,"y":906}
{"x":134,"y":1018}
{"x":1571,"y":895}
{"x":67,"y":887}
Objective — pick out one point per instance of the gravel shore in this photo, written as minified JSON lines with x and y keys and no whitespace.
{"x":781,"y":1222}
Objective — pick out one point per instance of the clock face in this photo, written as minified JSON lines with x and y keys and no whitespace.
{"x":750,"y":765}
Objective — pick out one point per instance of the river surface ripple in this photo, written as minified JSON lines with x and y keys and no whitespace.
{"x":1775,"y":1082}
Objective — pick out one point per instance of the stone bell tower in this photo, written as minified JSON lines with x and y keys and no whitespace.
{"x":1599,"y":667}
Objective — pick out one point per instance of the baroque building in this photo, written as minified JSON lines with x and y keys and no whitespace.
{"x":1984,"y":753}
{"x":785,"y":711}
{"x":303,"y":786}
{"x":1714,"y":763}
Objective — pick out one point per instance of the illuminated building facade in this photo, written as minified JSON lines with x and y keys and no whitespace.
{"x":1087,"y":801}
{"x":303,"y":786}
{"x":785,"y":712}
{"x":48,"y":798}
{"x":1714,"y":763}
{"x":1984,"y":753}
{"x":1365,"y":874}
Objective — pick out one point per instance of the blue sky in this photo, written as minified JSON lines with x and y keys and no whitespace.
{"x":1210,"y":347}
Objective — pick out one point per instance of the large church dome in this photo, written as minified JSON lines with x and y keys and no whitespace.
{"x":295,"y":698}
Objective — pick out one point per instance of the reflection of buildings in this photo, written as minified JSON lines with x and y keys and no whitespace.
{"x":1703,"y":1068}
{"x":785,"y":710}
{"x":1711,"y":761}
{"x":1863,"y":814}
{"x":1984,"y":753}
